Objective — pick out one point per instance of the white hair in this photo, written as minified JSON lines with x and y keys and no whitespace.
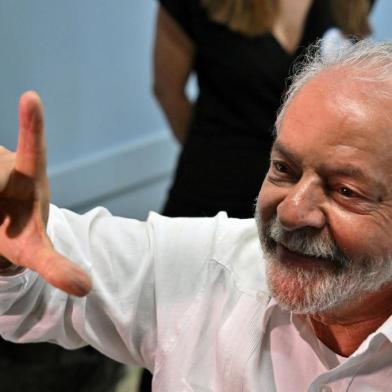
{"x":366,"y":61}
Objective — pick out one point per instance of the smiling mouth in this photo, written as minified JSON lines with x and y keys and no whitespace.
{"x":293,"y":258}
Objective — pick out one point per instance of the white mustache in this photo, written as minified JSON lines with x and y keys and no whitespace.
{"x":306,"y":241}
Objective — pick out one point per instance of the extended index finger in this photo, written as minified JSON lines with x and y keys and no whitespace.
{"x":31,"y":149}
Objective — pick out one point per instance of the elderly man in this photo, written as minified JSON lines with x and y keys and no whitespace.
{"x":196,"y":300}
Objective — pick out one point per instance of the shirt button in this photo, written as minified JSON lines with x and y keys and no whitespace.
{"x":324,"y":388}
{"x":262,"y":297}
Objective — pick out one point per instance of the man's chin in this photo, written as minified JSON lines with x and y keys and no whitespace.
{"x":307,"y":284}
{"x":301,"y":289}
{"x":285,"y":290}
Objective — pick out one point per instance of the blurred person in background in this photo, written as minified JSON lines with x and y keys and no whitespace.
{"x":242,"y":53}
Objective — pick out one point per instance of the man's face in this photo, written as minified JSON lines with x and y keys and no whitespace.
{"x":325,"y":207}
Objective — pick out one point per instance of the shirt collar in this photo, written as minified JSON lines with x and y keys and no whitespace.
{"x":302,"y":324}
{"x":386,"y":329}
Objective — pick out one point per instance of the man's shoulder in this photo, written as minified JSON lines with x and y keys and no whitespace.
{"x":238,"y":250}
{"x":230,"y":243}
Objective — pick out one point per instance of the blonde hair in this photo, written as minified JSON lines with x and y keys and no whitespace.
{"x":352,"y":17}
{"x":255,"y":17}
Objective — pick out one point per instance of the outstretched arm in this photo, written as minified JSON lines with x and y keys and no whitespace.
{"x":136,"y":305}
{"x":24,"y":205}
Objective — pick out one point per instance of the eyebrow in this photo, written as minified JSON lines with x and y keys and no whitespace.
{"x":347,"y":171}
{"x":353,"y":172}
{"x":291,"y":156}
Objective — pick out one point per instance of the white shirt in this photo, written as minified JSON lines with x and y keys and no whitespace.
{"x":186,"y":298}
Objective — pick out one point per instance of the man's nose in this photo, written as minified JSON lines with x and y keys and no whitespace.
{"x":302,"y":206}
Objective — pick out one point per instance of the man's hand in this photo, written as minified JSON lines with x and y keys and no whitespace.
{"x":24,"y":205}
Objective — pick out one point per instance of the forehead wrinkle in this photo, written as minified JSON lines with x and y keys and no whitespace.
{"x":290,"y":155}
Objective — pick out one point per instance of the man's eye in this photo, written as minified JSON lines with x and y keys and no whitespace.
{"x":346,"y":192}
{"x":280,"y":167}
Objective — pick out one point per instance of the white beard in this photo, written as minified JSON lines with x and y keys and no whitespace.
{"x":337,"y":281}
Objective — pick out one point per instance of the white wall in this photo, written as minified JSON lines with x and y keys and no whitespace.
{"x":381,"y":20}
{"x":90,"y":62}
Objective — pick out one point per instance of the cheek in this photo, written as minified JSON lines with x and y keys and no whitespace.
{"x":360,"y":235}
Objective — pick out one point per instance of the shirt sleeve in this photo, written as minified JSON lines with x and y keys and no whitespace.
{"x":145,"y":276}
{"x":182,"y":11}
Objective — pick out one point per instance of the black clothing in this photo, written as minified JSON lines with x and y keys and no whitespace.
{"x":241,"y":81}
{"x":45,"y":367}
